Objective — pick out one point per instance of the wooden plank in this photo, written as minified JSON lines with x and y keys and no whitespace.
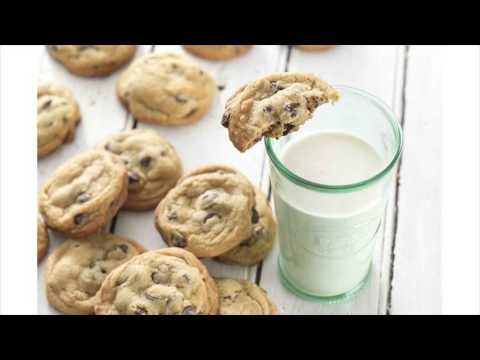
{"x":416,"y":287}
{"x":371,"y":68}
{"x":387,"y":244}
{"x":102,"y":115}
{"x":206,"y":142}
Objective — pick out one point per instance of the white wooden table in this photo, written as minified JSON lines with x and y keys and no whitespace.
{"x":406,"y":272}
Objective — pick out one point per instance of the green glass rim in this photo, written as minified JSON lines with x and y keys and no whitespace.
{"x":395,"y":125}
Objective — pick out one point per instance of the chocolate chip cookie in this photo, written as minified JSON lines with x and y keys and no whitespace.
{"x":315,"y":47}
{"x":274,"y":106}
{"x":92,"y":60}
{"x":84,"y":194}
{"x":58,"y":114}
{"x":242,"y":297}
{"x":42,"y":238}
{"x":76,"y":270}
{"x":153,"y":166}
{"x":256,"y":247}
{"x":218,"y":52}
{"x":169,"y":281}
{"x":166,"y":89}
{"x":209,"y":212}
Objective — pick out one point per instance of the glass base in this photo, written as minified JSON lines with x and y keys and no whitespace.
{"x":337,"y":299}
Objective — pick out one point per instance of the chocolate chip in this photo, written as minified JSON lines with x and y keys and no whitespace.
{"x":288,"y":128}
{"x":275,"y":87}
{"x":133,"y":177}
{"x":146,"y":161}
{"x":172,"y":216}
{"x":188,"y":311}
{"x":107,"y":147}
{"x":103,"y":271}
{"x":140,"y":311}
{"x":221,"y":87}
{"x":186,"y":277}
{"x":268,"y":108}
{"x":178,"y":240}
{"x":255,"y":216}
{"x":312,"y":103}
{"x":208,"y":199}
{"x":46,"y":105}
{"x":181,"y":99}
{"x":123,"y":247}
{"x":225,"y":120}
{"x":292,"y":109}
{"x":209,"y":216}
{"x":78,"y":218}
{"x":82,"y":198}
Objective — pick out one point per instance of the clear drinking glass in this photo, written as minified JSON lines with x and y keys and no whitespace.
{"x":327,"y":233}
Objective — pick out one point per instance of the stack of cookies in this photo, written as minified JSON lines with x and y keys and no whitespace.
{"x":216,"y":212}
{"x":212,"y":212}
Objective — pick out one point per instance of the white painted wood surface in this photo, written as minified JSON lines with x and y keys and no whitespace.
{"x":376,"y":69}
{"x":416,"y":286}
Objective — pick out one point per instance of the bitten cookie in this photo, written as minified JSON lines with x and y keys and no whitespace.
{"x":218,"y":52}
{"x":274,"y":106}
{"x":84,"y":194}
{"x":169,"y":281}
{"x":242,"y":297}
{"x":42,"y":239}
{"x":166,"y":89}
{"x":92,"y":60}
{"x":76,"y":270}
{"x":315,"y":47}
{"x":207,"y":213}
{"x":153,"y":166}
{"x":257,"y":246}
{"x":58,"y":114}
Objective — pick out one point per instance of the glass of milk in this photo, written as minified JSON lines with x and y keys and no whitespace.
{"x":330,"y":182}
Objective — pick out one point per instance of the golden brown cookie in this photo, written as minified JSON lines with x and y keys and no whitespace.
{"x":42,"y":239}
{"x":166,"y":89}
{"x":315,"y":47}
{"x":169,"y":281}
{"x":58,"y":114}
{"x":274,"y":106}
{"x":84,"y":194}
{"x":92,"y":60}
{"x":242,"y":297}
{"x":256,"y":247}
{"x":208,"y":212}
{"x":218,"y":52}
{"x":77,"y":268}
{"x":152,"y":162}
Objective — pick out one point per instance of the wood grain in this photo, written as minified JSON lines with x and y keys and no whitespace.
{"x":416,"y":286}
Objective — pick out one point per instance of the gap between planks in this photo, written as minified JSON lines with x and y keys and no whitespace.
{"x":397,"y":187}
{"x":128,"y":118}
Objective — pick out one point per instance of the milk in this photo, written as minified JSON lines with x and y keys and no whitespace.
{"x":327,"y":238}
